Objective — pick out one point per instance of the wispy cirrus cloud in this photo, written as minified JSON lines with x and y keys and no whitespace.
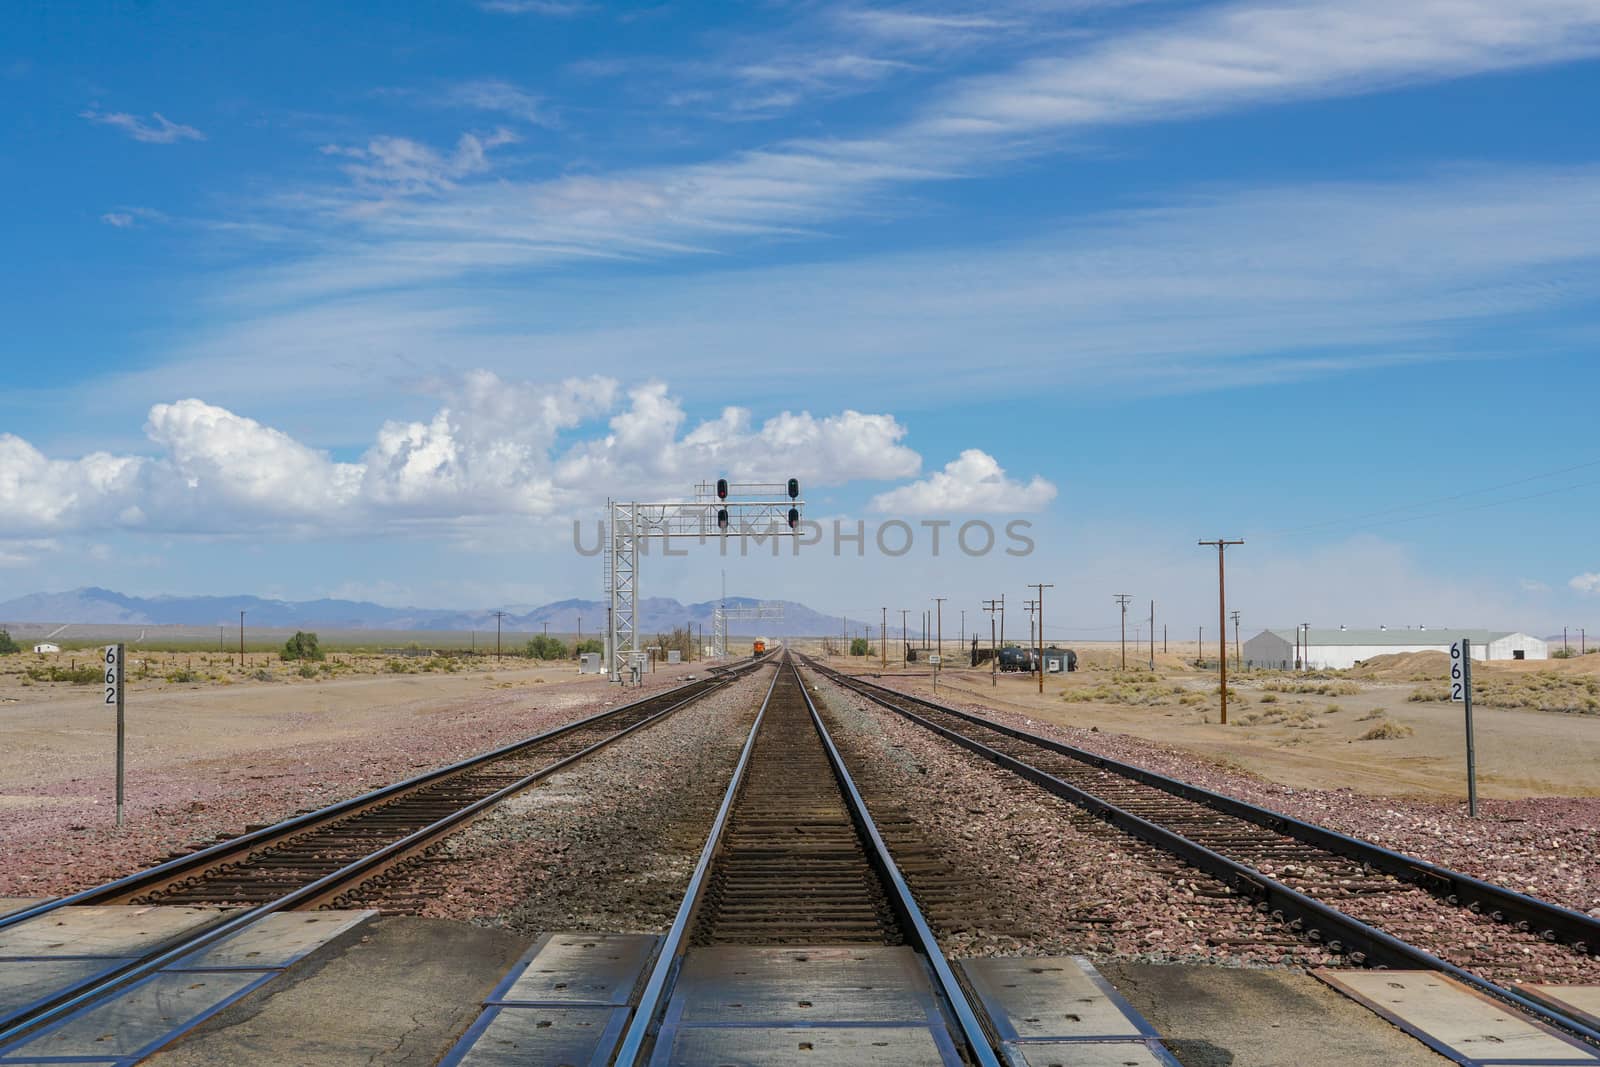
{"x":501,"y":97}
{"x":398,"y":166}
{"x":1253,"y":54}
{"x":553,"y":8}
{"x":1248,"y":54}
{"x":157,"y":129}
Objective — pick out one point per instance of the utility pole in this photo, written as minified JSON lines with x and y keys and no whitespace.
{"x":1002,"y":619}
{"x":938,"y":607}
{"x":241,"y":640}
{"x":905,"y":641}
{"x":1222,"y":620}
{"x":1163,"y":638}
{"x":1238,"y":658}
{"x":1122,"y":599}
{"x":1153,"y":635}
{"x":992,"y":607}
{"x":963,"y":627}
{"x":883,"y":638}
{"x":1029,"y":606}
{"x":1039,"y":604}
{"x":1566,"y":649}
{"x":1305,"y":645}
{"x":497,"y":617}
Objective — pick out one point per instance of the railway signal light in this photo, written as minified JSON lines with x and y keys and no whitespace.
{"x":722,"y":518}
{"x":794,"y":492}
{"x":794,"y":516}
{"x":722,"y":489}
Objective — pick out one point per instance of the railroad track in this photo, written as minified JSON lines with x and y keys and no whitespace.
{"x":310,"y":860}
{"x":794,"y":857}
{"x":1376,"y":906}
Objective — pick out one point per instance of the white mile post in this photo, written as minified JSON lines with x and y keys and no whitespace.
{"x":1461,"y":693}
{"x":114,"y":669}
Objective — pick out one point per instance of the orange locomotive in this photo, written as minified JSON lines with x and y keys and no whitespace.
{"x":760,"y":648}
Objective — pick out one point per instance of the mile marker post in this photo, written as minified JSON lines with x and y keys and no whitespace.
{"x":114,"y":659}
{"x":1461,"y":693}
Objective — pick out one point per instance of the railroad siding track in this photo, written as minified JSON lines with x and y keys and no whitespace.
{"x":309,"y":860}
{"x":1380,"y":914}
{"x":280,"y":864}
{"x":960,"y":901}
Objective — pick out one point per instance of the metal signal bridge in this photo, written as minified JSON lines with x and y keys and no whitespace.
{"x":758,"y":510}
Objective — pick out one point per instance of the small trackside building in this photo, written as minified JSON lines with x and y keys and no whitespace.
{"x":1337,"y":649}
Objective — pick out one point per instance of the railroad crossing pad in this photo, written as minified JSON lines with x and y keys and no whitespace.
{"x":1050,"y":1010}
{"x":11,"y":904}
{"x":871,"y":1005}
{"x":153,"y":1011}
{"x":103,"y":930}
{"x":1456,"y":1021}
{"x":565,"y":1001}
{"x":1582,"y":1002}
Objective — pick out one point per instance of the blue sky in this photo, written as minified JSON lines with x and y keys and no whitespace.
{"x":353,"y":302}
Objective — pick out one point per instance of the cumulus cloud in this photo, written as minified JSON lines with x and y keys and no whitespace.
{"x":158,"y":129}
{"x":972,"y":482}
{"x":1588,"y":582}
{"x":493,"y":448}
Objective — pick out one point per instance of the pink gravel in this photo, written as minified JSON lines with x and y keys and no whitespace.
{"x":1052,"y":879}
{"x":63,"y":845}
{"x":1548,"y":847}
{"x":608,"y":844}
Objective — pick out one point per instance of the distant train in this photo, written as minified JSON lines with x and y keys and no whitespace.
{"x":760,"y":648}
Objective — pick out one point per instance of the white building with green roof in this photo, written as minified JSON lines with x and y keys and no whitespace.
{"x":1314,"y":649}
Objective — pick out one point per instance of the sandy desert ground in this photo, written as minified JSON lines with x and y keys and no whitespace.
{"x":1307,"y":730}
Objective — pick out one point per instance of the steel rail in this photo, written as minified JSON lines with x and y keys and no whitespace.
{"x":73,"y":997}
{"x":669,"y":961}
{"x":1551,"y":921}
{"x":1364,"y":943}
{"x":669,"y":957}
{"x":901,"y":898}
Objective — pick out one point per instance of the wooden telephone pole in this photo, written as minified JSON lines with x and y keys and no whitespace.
{"x":1222,"y":622}
{"x":1039,"y":607}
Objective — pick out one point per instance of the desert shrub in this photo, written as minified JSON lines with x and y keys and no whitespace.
{"x":1269,"y":698}
{"x":860,"y":647}
{"x":1144,"y":690}
{"x":262,"y":675}
{"x":543,"y":646}
{"x":182,"y":675}
{"x":87,"y":675}
{"x":302,"y":646}
{"x":1387,"y":730}
{"x":7,"y":645}
{"x":591,"y":644}
{"x":398,"y":666}
{"x":307,"y":671}
{"x":1331,"y":709}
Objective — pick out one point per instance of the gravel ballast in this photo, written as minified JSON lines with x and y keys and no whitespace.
{"x":605,"y":846}
{"x":1056,"y":880}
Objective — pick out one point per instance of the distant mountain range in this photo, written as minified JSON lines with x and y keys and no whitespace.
{"x":104,"y":606}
